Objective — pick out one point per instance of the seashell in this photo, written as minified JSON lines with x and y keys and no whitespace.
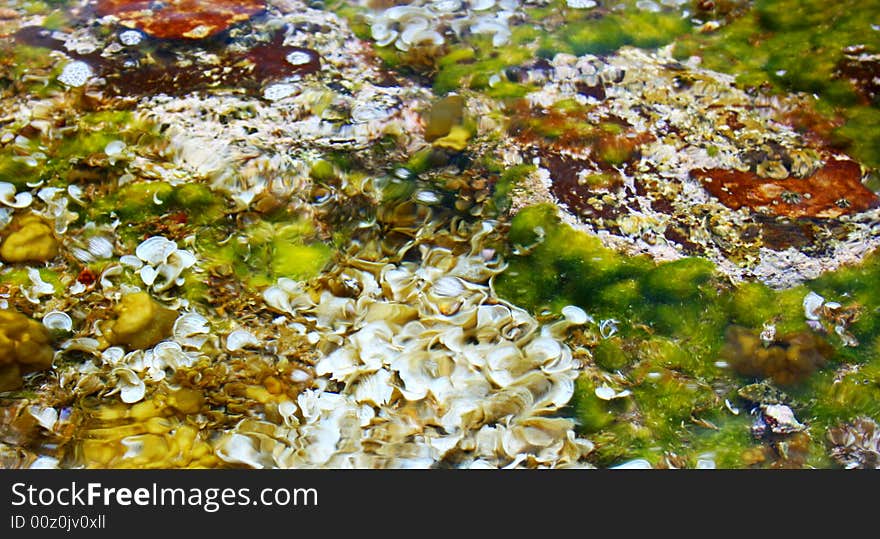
{"x":131,"y":261}
{"x":451,"y":287}
{"x":109,"y":271}
{"x":114,"y":148}
{"x":414,"y":27}
{"x":239,"y":449}
{"x":13,"y":200}
{"x":76,"y":288}
{"x":240,"y":339}
{"x":38,"y":288}
{"x":575,"y":315}
{"x":57,"y":320}
{"x":399,"y":13}
{"x":81,"y":344}
{"x":100,"y":247}
{"x":446,"y":6}
{"x":155,"y":250}
{"x":148,"y":275}
{"x":112,"y":355}
{"x":170,"y":354}
{"x":582,"y":4}
{"x":812,"y":303}
{"x":131,"y":388}
{"x":277,"y":299}
{"x":46,"y":417}
{"x":481,"y":5}
{"x":635,"y":464}
{"x":75,"y":74}
{"x":45,"y":463}
{"x":543,"y":350}
{"x":375,"y":389}
{"x":190,"y":324}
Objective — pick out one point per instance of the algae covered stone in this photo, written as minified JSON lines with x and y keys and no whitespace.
{"x":30,"y":240}
{"x":24,"y":347}
{"x":140,"y":322}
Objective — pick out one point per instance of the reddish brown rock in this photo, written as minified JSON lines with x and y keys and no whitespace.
{"x":180,"y":19}
{"x":834,"y":190}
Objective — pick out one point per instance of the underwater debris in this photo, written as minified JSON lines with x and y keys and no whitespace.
{"x":855,"y":444}
{"x":789,"y":359}
{"x":25,"y":346}
{"x":833,"y":190}
{"x":180,"y":19}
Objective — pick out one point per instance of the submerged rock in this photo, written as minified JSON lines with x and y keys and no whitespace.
{"x":25,"y":346}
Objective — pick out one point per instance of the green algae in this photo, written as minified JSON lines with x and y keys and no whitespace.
{"x":264,"y":252}
{"x":670,"y":322}
{"x":794,"y":45}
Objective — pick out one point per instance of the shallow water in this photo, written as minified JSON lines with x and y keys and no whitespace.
{"x":477,"y":234}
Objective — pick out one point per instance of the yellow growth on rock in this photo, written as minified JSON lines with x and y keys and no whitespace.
{"x":24,"y":347}
{"x":140,"y":322}
{"x":30,"y":240}
{"x":457,"y":139}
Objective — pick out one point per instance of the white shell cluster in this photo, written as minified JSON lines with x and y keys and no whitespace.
{"x":432,"y":366}
{"x":161,"y":263}
{"x":433,"y":21}
{"x":75,"y":74}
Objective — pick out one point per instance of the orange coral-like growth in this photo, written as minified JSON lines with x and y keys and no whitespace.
{"x":180,"y":19}
{"x":833,"y":190}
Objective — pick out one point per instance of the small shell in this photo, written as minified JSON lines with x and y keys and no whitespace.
{"x":59,"y":321}
{"x":575,"y":315}
{"x":13,"y":200}
{"x":112,"y":355}
{"x":637,"y":464}
{"x":812,"y":303}
{"x":45,"y":463}
{"x":190,"y":324}
{"x":155,"y":250}
{"x":81,"y":344}
{"x":239,"y":339}
{"x":131,"y":388}
{"x":240,"y":449}
{"x":131,"y":261}
{"x":46,"y":417}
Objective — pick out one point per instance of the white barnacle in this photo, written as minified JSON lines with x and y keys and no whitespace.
{"x":75,"y":74}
